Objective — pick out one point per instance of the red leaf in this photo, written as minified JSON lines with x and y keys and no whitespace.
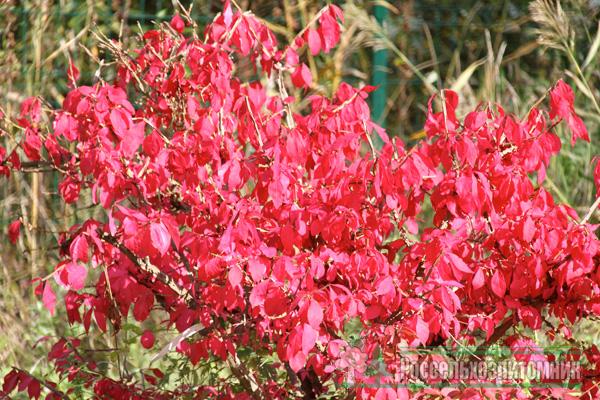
{"x":121,"y":121}
{"x":34,"y":389}
{"x":275,"y":302}
{"x":143,"y":305}
{"x":147,"y":339}
{"x":15,"y":160}
{"x":32,"y":108}
{"x":336,"y":12}
{"x":10,"y":381}
{"x":14,"y":229}
{"x":330,"y":31}
{"x":69,"y":189}
{"x":79,"y":249}
{"x":287,"y":235}
{"x":72,"y":74}
{"x":152,"y":144}
{"x":32,"y":145}
{"x":177,"y":23}
{"x":530,"y":316}
{"x":562,"y":105}
{"x":597,"y":176}
{"x":301,"y":77}
{"x":100,"y":318}
{"x":444,"y":121}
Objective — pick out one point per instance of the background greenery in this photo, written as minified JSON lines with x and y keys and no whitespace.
{"x":504,"y":51}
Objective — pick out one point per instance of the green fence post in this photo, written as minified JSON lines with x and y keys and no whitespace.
{"x":379,"y":76}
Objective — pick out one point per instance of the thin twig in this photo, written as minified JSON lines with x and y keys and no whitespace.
{"x":146,"y":266}
{"x":591,"y":211}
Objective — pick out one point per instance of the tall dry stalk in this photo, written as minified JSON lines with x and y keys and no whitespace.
{"x":556,"y":31}
{"x":39,"y":27}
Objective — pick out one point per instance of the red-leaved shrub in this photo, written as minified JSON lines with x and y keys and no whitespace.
{"x":261,"y":232}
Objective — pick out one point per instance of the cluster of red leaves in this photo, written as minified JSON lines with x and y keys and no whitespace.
{"x":272,"y":229}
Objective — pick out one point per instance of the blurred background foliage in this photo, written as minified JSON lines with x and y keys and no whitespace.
{"x":505,"y":51}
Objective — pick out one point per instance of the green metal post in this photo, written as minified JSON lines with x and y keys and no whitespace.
{"x":379,"y":77}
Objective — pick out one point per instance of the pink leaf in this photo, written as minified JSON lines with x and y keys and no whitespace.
{"x":76,"y":274}
{"x":314,"y":41}
{"x":315,"y":314}
{"x":49,"y":298}
{"x":134,"y":138}
{"x":235,"y":276}
{"x":258,"y":294}
{"x":297,"y":361}
{"x":227,"y":14}
{"x":256,"y":269}
{"x":309,"y":338}
{"x":498,"y":284}
{"x":422,"y":330}
{"x":161,"y":239}
{"x":478,"y":279}
{"x":385,"y":286}
{"x":458,"y":263}
{"x":528,"y":228}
